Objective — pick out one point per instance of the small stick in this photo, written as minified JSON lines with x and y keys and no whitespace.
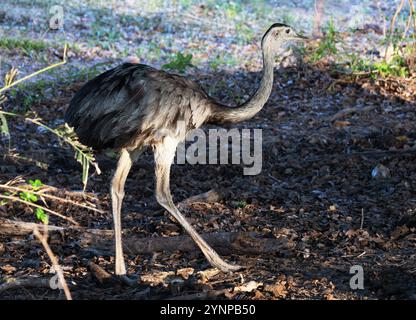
{"x":40,"y":193}
{"x":351,"y":110}
{"x":393,"y":22}
{"x":38,"y":206}
{"x":412,"y":13}
{"x":43,"y":240}
{"x":37,"y":72}
{"x":362,"y":219}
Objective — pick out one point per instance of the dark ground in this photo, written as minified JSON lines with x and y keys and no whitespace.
{"x":314,"y":190}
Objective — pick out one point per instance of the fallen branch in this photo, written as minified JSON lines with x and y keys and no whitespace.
{"x":99,"y":273}
{"x":25,"y":283}
{"x":105,"y":278}
{"x":102,"y":240}
{"x":223,"y":242}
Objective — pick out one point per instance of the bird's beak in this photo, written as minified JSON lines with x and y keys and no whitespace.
{"x":301,"y":37}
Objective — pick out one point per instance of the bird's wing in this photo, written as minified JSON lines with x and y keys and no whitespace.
{"x":106,"y":111}
{"x":127,"y":105}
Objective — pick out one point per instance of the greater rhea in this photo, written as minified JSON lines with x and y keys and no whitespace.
{"x":134,"y":106}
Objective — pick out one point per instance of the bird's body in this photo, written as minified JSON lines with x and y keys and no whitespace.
{"x":134,"y":106}
{"x":126,"y":107}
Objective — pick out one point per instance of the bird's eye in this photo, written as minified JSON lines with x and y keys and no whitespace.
{"x":287,"y":30}
{"x":277,"y":34}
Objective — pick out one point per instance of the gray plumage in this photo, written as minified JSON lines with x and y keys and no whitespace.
{"x":125,"y":107}
{"x":133,"y":106}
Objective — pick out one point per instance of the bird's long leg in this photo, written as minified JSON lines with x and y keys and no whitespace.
{"x":164,"y":155}
{"x":117,"y":194}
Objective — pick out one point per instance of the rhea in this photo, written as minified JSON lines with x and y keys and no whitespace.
{"x":135,"y":106}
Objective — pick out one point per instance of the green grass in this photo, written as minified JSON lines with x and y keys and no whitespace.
{"x":28,"y":46}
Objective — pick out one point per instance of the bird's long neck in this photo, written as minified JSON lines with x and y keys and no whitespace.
{"x":223,"y":114}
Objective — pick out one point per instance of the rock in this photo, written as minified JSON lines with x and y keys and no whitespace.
{"x":380,"y":172}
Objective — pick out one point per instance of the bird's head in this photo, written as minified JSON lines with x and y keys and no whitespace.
{"x":278,"y":35}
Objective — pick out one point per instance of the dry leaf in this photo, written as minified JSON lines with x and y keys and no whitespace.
{"x":342,"y":123}
{"x":278,"y":289}
{"x":248,"y":287}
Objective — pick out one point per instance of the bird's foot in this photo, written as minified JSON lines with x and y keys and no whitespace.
{"x":131,"y":281}
{"x":226,"y":267}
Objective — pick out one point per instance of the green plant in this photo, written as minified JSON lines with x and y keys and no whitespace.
{"x":327,"y":45}
{"x":180,"y":63}
{"x":36,"y":184}
{"x":241,"y":204}
{"x":244,"y":33}
{"x":215,"y":63}
{"x":28,"y":196}
{"x":357,"y":64}
{"x":231,"y":9}
{"x":395,"y":67}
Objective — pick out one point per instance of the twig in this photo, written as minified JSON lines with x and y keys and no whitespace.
{"x":351,"y":110}
{"x":317,"y":18}
{"x":15,"y":156}
{"x":43,"y":240}
{"x":74,"y":192}
{"x":393,"y":22}
{"x":12,"y":198}
{"x":412,"y":13}
{"x":37,"y":72}
{"x":76,"y":145}
{"x":29,"y":282}
{"x":15,"y":227}
{"x":40,"y":193}
{"x":66,"y":139}
{"x":408,"y":23}
{"x":362,"y":219}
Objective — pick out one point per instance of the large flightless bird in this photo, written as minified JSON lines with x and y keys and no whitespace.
{"x":134,"y":106}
